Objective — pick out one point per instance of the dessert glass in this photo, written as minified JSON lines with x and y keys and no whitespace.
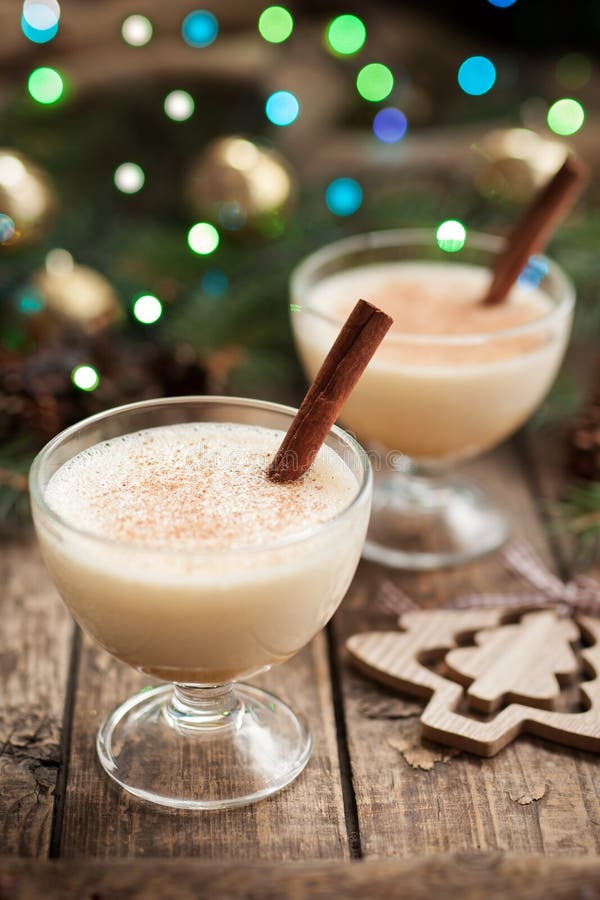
{"x":454,"y":397}
{"x":201,"y":620}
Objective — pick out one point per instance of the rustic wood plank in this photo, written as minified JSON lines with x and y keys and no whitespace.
{"x":418,"y":798}
{"x":35,"y":642}
{"x":493,"y":876}
{"x":306,"y":821}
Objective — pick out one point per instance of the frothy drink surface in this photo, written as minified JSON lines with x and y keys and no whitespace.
{"x":196,"y":486}
{"x":434,"y":299}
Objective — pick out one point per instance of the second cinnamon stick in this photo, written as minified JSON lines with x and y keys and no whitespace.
{"x":535,"y":227}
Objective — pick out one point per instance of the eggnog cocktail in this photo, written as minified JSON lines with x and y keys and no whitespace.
{"x":195,"y":491}
{"x":452,"y":378}
{"x":175,"y":552}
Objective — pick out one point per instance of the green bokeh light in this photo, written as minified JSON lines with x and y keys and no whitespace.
{"x":86,"y":378}
{"x":45,"y":85}
{"x":275,"y":24}
{"x":203,"y":238}
{"x":374,"y":82}
{"x":147,"y":309}
{"x":566,"y":116}
{"x":451,"y":236}
{"x":346,"y":35}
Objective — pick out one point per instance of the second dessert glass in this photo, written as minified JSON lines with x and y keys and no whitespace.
{"x":201,"y":620}
{"x":428,"y":401}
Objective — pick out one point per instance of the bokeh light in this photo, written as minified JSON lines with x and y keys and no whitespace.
{"x":7,"y":228}
{"x":232,"y":215}
{"x":215,"y":283}
{"x":374,"y":82}
{"x":45,"y":85}
{"x":179,"y":106}
{"x":534,"y":272}
{"x":137,"y":30}
{"x":566,"y":116}
{"x":199,"y":28}
{"x":573,"y":71}
{"x":85,"y":377}
{"x":39,"y":21}
{"x":502,"y":4}
{"x":345,"y":35}
{"x":476,"y":75}
{"x":282,"y":108}
{"x":129,"y":178}
{"x":59,"y":262}
{"x":30,"y":302}
{"x":203,"y":238}
{"x":275,"y":24}
{"x":343,"y":196}
{"x":147,"y":309}
{"x":389,"y":125}
{"x":451,"y":236}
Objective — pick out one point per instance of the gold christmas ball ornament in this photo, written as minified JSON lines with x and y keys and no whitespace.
{"x":27,"y":196}
{"x":238,"y":183}
{"x":513,"y":163}
{"x":75,"y":294}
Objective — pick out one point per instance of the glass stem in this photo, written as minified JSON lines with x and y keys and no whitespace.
{"x":203,"y":708}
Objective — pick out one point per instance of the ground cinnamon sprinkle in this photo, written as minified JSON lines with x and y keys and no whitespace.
{"x":196,"y":486}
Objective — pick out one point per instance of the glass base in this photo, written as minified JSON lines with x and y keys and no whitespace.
{"x":425,"y":522}
{"x":192,"y":747}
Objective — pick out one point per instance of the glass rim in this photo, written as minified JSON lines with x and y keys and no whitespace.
{"x":405,"y":236}
{"x":39,"y":500}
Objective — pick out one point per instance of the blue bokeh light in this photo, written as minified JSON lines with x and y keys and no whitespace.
{"x":38,"y":35}
{"x":39,"y":21}
{"x":7,"y":228}
{"x":343,"y":196}
{"x":199,"y":28}
{"x":30,"y":302}
{"x":232,"y":215}
{"x":477,"y":75}
{"x":215,"y":283}
{"x":502,"y":4}
{"x":534,"y":272}
{"x":282,"y":108}
{"x":389,"y":125}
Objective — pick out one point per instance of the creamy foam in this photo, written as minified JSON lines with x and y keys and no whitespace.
{"x":196,"y":486}
{"x":435,"y":299}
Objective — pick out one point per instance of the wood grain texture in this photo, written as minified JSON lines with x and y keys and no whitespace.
{"x":492,"y":876}
{"x":306,"y":821}
{"x":35,"y":641}
{"x":411,"y":797}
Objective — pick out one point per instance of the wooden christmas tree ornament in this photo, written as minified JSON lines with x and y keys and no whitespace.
{"x":507,"y":681}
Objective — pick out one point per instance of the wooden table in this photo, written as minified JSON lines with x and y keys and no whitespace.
{"x":374,"y":810}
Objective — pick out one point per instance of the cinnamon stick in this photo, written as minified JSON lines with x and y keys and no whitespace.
{"x":534,"y":229}
{"x":356,"y":343}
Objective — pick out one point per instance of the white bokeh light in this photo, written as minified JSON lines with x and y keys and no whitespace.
{"x":129,"y":178}
{"x":179,"y":105}
{"x":137,"y":30}
{"x":41,"y":15}
{"x":59,"y":262}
